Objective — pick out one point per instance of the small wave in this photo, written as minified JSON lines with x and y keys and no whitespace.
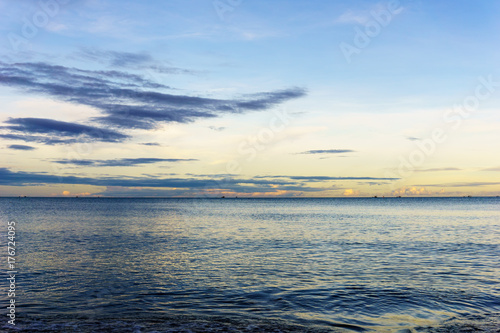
{"x":486,"y":323}
{"x":179,"y":325}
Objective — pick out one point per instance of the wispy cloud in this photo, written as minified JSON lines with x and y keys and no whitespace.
{"x":352,"y":17}
{"x":51,"y":131}
{"x":131,"y":60}
{"x":324,"y":178}
{"x":150,"y":144}
{"x":464,"y":184}
{"x":218,"y":175}
{"x":415,"y":191}
{"x":362,"y":16}
{"x":112,"y":191}
{"x":492,"y":169}
{"x":215,"y":128}
{"x":373,"y":183}
{"x":21,"y":147}
{"x":437,"y":169}
{"x":328,"y":151}
{"x":128,"y":100}
{"x":114,"y":58}
{"x":11,"y":178}
{"x":123,"y":162}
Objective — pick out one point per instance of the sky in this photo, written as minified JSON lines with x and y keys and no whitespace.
{"x":249,"y":98}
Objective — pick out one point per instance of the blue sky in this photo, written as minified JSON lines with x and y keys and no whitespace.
{"x":249,"y":98}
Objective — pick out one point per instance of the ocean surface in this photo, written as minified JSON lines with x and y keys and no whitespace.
{"x":252,"y":265}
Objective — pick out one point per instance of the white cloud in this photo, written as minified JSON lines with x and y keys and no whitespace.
{"x":350,"y":17}
{"x":364,"y":16}
{"x":411,"y":191}
{"x":56,"y":27}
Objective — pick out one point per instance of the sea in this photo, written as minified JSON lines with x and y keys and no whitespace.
{"x":250,"y":265}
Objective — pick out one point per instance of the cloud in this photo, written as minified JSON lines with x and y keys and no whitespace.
{"x":51,"y":131}
{"x":350,"y":17}
{"x":350,"y":192}
{"x":265,"y":100}
{"x":322,"y":178}
{"x":193,"y":185}
{"x":218,"y":175}
{"x":20,"y":178}
{"x":328,"y":151}
{"x":21,"y":147}
{"x":128,"y":100}
{"x":412,"y":138}
{"x":150,"y":144}
{"x":122,"y":162}
{"x":114,"y":58}
{"x":215,"y":128}
{"x":373,"y":183}
{"x":117,"y":191}
{"x":60,"y":81}
{"x":76,"y":162}
{"x":40,"y":139}
{"x":325,"y":178}
{"x":112,"y":191}
{"x":158,"y":175}
{"x":464,"y":184}
{"x":491,"y":169}
{"x":438,"y":169}
{"x":137,"y":61}
{"x":362,"y":17}
{"x":413,"y":191}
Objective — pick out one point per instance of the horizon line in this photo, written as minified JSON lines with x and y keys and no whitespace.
{"x":236,"y":197}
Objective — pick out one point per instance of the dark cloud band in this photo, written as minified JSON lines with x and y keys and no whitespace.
{"x":128,"y":100}
{"x":328,"y":151}
{"x":53,"y":131}
{"x":122,"y":162}
{"x":21,"y":147}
